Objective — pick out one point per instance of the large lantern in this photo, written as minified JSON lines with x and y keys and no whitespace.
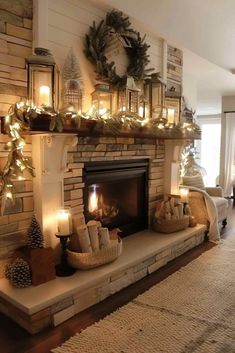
{"x":42,"y":79}
{"x":128,"y":97}
{"x":102,"y":99}
{"x":154,"y":91}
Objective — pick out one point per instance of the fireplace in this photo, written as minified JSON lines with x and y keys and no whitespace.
{"x":116,"y":194}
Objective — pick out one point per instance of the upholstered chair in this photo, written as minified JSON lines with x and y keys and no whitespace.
{"x":197,"y":200}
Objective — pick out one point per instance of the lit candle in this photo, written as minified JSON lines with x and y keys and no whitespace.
{"x":44,"y":95}
{"x":171,"y":116}
{"x":184,"y":194}
{"x":63,"y":219}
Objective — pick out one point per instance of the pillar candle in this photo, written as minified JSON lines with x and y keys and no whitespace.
{"x":63,"y":219}
{"x":184,"y":194}
{"x":44,"y":95}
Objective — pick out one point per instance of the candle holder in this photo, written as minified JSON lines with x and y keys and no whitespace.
{"x":63,"y":269}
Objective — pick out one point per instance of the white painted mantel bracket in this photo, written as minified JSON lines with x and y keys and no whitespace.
{"x":173,"y":150}
{"x":50,"y":162}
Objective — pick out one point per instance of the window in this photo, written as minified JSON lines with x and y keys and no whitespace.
{"x":209,"y":148}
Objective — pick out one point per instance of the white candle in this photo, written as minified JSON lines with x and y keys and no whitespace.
{"x":184,"y":194}
{"x":44,"y":95}
{"x":63,"y":219}
{"x":170,"y":116}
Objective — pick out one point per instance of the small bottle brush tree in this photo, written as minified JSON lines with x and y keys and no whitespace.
{"x":34,"y":235}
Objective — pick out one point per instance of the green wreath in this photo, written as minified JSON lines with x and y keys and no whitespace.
{"x":136,"y":50}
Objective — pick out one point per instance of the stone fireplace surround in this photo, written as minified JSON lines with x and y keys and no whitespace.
{"x":59,"y":178}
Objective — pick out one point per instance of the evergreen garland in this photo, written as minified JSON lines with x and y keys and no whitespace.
{"x":96,"y":43}
{"x":34,"y":235}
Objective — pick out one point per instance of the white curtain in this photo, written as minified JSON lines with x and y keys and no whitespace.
{"x":229,"y":156}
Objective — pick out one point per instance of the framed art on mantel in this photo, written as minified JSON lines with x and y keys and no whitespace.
{"x":173,"y":106}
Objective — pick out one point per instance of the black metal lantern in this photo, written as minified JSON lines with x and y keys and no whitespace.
{"x":42,"y":79}
{"x":154,"y":91}
{"x":102,"y":99}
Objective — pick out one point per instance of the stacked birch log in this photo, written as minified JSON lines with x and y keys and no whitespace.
{"x":172,"y":216}
{"x":93,"y":237}
{"x":93,"y":245}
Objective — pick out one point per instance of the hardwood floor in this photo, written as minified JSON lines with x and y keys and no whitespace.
{"x":13,"y":339}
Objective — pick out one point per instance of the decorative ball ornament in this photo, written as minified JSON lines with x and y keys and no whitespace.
{"x":117,"y":26}
{"x":19,"y":273}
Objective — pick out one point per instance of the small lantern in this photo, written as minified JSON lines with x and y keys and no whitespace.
{"x":72,"y":96}
{"x":42,"y":79}
{"x":128,"y":97}
{"x":154,"y":90}
{"x":102,"y":99}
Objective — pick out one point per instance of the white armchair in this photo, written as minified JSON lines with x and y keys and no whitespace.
{"x":197,"y":201}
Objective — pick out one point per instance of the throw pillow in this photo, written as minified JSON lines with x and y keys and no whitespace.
{"x":195,"y":181}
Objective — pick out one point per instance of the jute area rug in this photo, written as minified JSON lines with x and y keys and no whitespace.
{"x":190,"y":311}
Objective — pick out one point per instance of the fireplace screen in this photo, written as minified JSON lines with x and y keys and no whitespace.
{"x":116,"y":194}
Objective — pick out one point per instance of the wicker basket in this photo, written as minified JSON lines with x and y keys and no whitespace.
{"x":85,"y":261}
{"x":171,"y":226}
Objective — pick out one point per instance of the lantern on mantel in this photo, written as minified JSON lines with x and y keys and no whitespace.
{"x":128,"y":97}
{"x":102,"y":99}
{"x":154,"y":91}
{"x":42,"y":75}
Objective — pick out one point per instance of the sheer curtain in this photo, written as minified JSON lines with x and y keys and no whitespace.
{"x":229,"y":156}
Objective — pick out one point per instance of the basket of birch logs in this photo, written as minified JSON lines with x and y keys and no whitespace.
{"x":93,"y":246}
{"x":172,"y":216}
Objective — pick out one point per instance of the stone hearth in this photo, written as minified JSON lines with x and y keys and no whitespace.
{"x":51,"y":303}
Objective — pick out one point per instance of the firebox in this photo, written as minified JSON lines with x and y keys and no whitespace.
{"x":116,"y":194}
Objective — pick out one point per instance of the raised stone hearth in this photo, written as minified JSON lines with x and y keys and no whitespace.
{"x":51,"y":303}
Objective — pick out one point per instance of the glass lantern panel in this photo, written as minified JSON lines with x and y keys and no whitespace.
{"x":41,"y":86}
{"x":102,"y":102}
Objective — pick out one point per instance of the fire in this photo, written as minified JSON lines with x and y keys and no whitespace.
{"x":98,"y":208}
{"x":93,"y":201}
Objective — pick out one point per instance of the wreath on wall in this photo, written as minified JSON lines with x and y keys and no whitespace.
{"x":118,"y":26}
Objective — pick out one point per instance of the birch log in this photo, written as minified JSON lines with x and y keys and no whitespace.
{"x":93,"y":233}
{"x":104,"y":238}
{"x":84,"y":239}
{"x":181,"y":210}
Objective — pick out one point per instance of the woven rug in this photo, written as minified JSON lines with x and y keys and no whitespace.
{"x":192,"y":310}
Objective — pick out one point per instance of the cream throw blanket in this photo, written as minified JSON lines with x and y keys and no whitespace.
{"x":214,"y":232}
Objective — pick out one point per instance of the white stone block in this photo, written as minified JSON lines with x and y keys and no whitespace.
{"x":140,"y":274}
{"x":86,"y":299}
{"x":165,"y":253}
{"x":122,"y":282}
{"x":63,"y":315}
{"x":157,"y":265}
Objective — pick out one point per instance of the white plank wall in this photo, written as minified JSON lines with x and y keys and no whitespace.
{"x":69,"y":21}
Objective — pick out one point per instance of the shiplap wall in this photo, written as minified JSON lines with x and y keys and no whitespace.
{"x":68,"y":23}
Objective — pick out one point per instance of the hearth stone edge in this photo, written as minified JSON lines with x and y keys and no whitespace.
{"x":54,"y":302}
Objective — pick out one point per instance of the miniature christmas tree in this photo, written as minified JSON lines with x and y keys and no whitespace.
{"x":72,"y":82}
{"x":34,"y":235}
{"x":71,"y":69}
{"x":19,"y":273}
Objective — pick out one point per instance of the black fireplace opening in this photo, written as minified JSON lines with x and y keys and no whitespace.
{"x":116,"y":194}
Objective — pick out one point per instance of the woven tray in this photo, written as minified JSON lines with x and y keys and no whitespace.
{"x":165,"y":226}
{"x":85,"y":261}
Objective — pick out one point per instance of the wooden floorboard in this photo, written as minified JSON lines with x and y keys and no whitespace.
{"x":13,"y":339}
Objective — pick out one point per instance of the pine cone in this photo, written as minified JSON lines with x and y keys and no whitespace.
{"x":19,"y":273}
